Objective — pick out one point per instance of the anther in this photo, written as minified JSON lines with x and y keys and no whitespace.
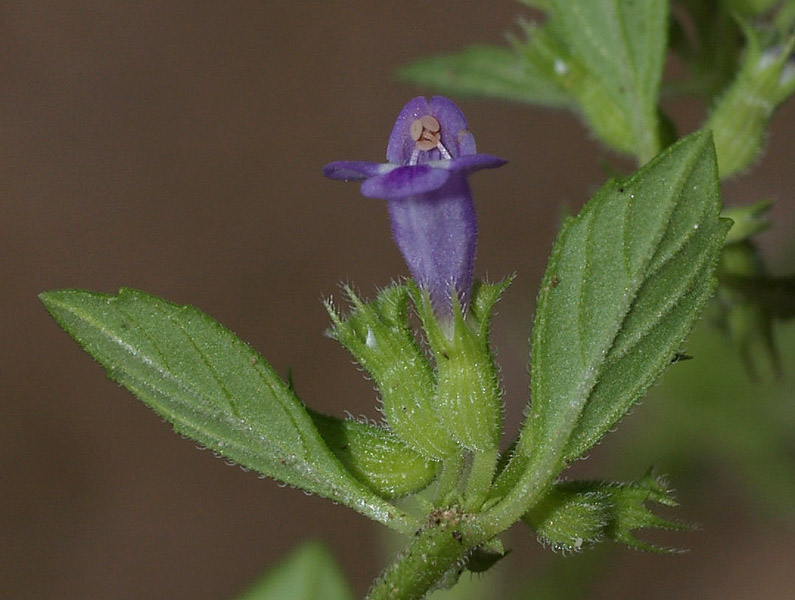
{"x":429,"y":123}
{"x":426,"y":133}
{"x":415,"y":130}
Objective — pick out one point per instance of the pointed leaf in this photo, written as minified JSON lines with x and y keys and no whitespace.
{"x":626,"y":281}
{"x":488,"y":71}
{"x":308,"y":573}
{"x":211,"y":387}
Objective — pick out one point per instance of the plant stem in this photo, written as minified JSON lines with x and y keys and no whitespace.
{"x":481,"y":474}
{"x":449,"y":478}
{"x":435,"y":555}
{"x":536,"y":478}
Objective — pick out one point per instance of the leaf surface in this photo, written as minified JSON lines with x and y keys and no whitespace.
{"x":627,"y":279}
{"x":622,"y":43}
{"x":308,"y":573}
{"x":489,"y":71}
{"x":211,"y":387}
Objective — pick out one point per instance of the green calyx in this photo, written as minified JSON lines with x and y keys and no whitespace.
{"x":375,"y":456}
{"x":378,"y":336}
{"x":443,"y":407}
{"x":467,"y":398}
{"x":740,"y":117}
{"x":577,"y":514}
{"x":438,"y":405}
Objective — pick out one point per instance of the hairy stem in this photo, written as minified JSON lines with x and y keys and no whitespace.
{"x":434,"y":558}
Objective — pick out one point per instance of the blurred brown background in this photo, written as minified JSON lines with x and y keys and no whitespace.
{"x":176,"y":147}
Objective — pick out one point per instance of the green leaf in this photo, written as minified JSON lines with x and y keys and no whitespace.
{"x":488,"y":71}
{"x":589,"y":96}
{"x":622,"y":43}
{"x":211,"y":387}
{"x":626,"y":281}
{"x":601,"y":58}
{"x":308,"y":573}
{"x":376,"y":456}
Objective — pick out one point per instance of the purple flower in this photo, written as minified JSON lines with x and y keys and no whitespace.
{"x":430,"y":154}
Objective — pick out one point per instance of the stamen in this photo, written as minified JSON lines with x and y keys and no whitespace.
{"x":415,"y":130}
{"x":426,"y":133}
{"x":429,"y":123}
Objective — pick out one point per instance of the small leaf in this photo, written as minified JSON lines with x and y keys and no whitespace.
{"x":376,"y":456}
{"x":308,"y":573}
{"x":488,"y":71}
{"x":211,"y":387}
{"x":626,"y":281}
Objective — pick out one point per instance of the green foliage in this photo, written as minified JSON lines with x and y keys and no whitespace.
{"x":625,"y":283}
{"x":602,"y":58}
{"x":375,"y":456}
{"x":211,"y":387}
{"x":749,"y":301}
{"x":589,"y":96}
{"x":489,"y":71}
{"x":622,"y":44}
{"x":308,"y":573}
{"x":626,"y":280}
{"x":575,"y":514}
